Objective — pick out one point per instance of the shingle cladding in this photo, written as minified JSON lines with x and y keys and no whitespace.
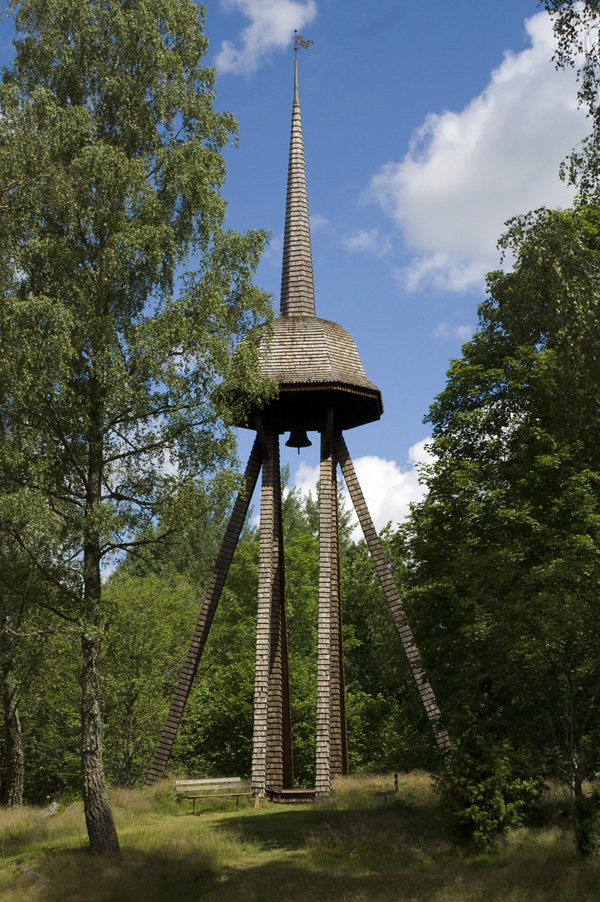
{"x":314,"y":361}
{"x":297,"y":284}
{"x":316,"y":365}
{"x":308,"y":350}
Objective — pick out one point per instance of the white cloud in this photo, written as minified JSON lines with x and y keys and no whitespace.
{"x":442,"y":271}
{"x":388,"y":488}
{"x":447,"y":331}
{"x":466,"y":173}
{"x":363,"y":241}
{"x":274,"y":250}
{"x":305,"y":479}
{"x":272,"y":24}
{"x":319,"y":223}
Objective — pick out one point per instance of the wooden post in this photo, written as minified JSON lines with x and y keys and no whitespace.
{"x":272,"y":741}
{"x":391,"y":593}
{"x":287,"y":750}
{"x":279,"y":729}
{"x":205,"y":619}
{"x":331,"y":746}
{"x":339,"y":737}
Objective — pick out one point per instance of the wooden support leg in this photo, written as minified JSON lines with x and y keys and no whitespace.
{"x":391,"y":592}
{"x":272,"y":740}
{"x":281,"y":658}
{"x":339,"y":736}
{"x":328,"y":579}
{"x":207,"y":612}
{"x":279,"y":730}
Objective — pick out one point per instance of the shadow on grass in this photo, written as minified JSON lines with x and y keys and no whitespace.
{"x":317,"y":855}
{"x":132,"y":875}
{"x":139,"y":877}
{"x":292,"y":828}
{"x":455,"y":881}
{"x":283,"y":828}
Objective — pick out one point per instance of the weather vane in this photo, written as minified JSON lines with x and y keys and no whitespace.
{"x":300,"y":42}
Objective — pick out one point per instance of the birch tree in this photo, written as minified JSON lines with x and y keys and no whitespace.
{"x":124,"y":296}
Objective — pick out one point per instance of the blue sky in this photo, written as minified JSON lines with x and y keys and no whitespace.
{"x":426,"y":126}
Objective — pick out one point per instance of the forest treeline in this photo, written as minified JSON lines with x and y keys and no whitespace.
{"x":125,"y":300}
{"x":151,"y":611}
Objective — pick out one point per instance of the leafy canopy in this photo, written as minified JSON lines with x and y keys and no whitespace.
{"x":123,"y":294}
{"x":502,"y":559}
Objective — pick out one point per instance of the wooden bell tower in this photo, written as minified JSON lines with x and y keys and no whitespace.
{"x":322,"y":388}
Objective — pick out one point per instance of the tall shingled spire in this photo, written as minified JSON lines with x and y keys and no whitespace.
{"x":297,"y":285}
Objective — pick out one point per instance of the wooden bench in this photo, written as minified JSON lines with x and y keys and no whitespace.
{"x":211,"y":789}
{"x":390,"y":792}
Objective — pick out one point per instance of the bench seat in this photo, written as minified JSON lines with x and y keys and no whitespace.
{"x":217,"y":788}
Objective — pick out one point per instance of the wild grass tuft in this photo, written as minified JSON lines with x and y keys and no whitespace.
{"x":356,"y":847}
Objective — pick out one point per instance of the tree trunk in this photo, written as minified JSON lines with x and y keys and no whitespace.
{"x":585,"y":812}
{"x":14,"y":758}
{"x":98,"y":816}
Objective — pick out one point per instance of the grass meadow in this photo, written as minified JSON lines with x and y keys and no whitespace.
{"x":353,"y":848}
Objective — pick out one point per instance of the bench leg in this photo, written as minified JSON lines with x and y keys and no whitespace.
{"x":194,"y":804}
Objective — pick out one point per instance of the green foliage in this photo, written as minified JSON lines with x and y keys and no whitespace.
{"x":587,"y":824}
{"x":147,"y":636}
{"x":387,"y":727}
{"x":501,"y":560}
{"x":484,"y":795}
{"x":39,"y":675}
{"x":121,"y":271}
{"x":576,"y":30}
{"x":143,"y":654}
{"x":216,"y":732}
{"x":215,"y":737}
{"x":124,"y":297}
{"x":51,"y":736}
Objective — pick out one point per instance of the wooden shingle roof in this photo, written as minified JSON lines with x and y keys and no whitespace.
{"x":305,"y":349}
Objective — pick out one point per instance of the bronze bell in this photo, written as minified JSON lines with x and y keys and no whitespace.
{"x":298,"y":439}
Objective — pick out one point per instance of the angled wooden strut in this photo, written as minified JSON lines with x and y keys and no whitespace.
{"x":272,"y":765}
{"x":272,"y":748}
{"x":205,"y":618}
{"x":391,"y":593}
